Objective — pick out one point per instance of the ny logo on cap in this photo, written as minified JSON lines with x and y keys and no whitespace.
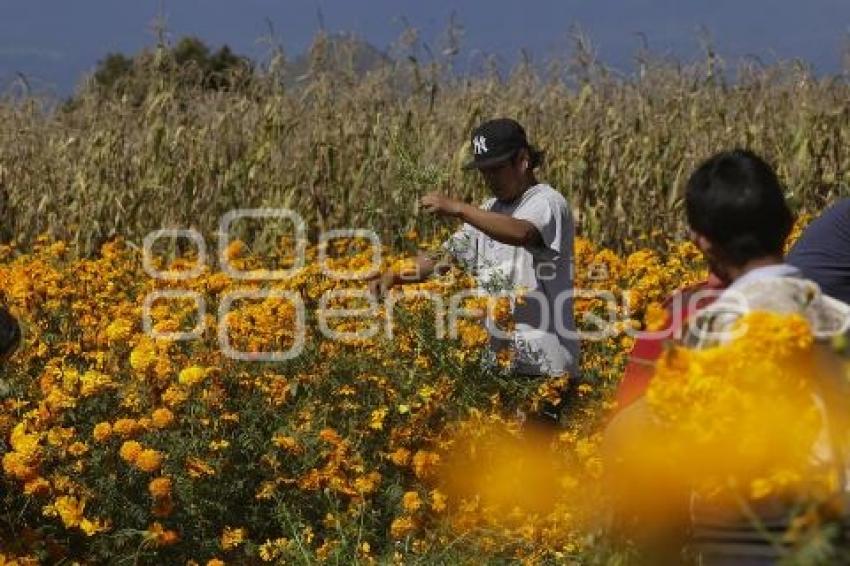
{"x":479,"y":145}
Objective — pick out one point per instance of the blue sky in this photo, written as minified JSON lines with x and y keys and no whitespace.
{"x":54,"y":41}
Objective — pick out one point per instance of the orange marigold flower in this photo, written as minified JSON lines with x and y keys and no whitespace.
{"x":411,"y":502}
{"x":401,"y":527}
{"x":330,"y":436}
{"x":197,"y":468}
{"x":77,"y":449}
{"x":37,"y":486}
{"x":70,"y":510}
{"x":400,"y":457}
{"x":101,"y":432}
{"x":161,"y":536}
{"x":425,"y":463}
{"x":162,"y":417}
{"x":234,"y":249}
{"x":160,"y":487}
{"x":367,"y":484}
{"x":287,"y":443}
{"x":174,"y":395}
{"x":231,"y":538}
{"x":149,"y":460}
{"x":656,"y":317}
{"x":130,"y":451}
{"x":438,"y":501}
{"x":18,"y":466}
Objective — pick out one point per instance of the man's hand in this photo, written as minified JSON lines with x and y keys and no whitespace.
{"x":442,"y":205}
{"x":381,"y":284}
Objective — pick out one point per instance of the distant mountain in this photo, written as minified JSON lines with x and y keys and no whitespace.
{"x":338,"y":52}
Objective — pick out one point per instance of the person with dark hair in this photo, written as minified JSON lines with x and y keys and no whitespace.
{"x":739,"y":219}
{"x":520,"y":238}
{"x":822,"y":252}
{"x":737,"y":214}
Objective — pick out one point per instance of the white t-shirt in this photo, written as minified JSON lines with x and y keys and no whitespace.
{"x":545,"y":342}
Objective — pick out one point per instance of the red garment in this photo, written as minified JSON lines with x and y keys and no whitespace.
{"x":647,"y":349}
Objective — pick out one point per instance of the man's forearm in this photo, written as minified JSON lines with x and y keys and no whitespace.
{"x":500,"y":227}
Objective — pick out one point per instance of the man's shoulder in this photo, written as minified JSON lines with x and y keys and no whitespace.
{"x":544,"y":192}
{"x":783,"y":295}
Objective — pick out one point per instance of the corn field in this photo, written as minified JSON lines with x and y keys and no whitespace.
{"x":355,"y":151}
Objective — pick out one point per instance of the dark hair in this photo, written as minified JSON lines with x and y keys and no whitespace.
{"x":10,"y":333}
{"x":735,"y":200}
{"x":535,"y":156}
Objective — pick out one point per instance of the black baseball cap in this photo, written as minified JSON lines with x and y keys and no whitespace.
{"x":496,"y":141}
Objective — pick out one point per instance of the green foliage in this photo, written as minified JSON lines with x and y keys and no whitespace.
{"x":191,"y":58}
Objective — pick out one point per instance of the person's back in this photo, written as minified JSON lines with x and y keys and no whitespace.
{"x":740,"y":221}
{"x":823,"y":251}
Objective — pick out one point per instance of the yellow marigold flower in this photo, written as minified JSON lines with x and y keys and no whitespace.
{"x":119,"y":330}
{"x":59,"y":436}
{"x":91,"y":528}
{"x":231,"y":538}
{"x":401,"y":527}
{"x":400,"y":457}
{"x":272,"y":549}
{"x":287,"y":443}
{"x":438,"y":501}
{"x":330,"y":436}
{"x":17,"y":465}
{"x":37,"y":486}
{"x":174,"y":396}
{"x":161,"y":536}
{"x":235,"y":249}
{"x":130,"y":451}
{"x":149,"y":460}
{"x":197,"y":468}
{"x":160,"y":487}
{"x":22,"y":441}
{"x":162,"y":418}
{"x":215,"y":562}
{"x":101,"y":432}
{"x":126,"y":427}
{"x":656,"y":317}
{"x":92,"y":382}
{"x":367,"y":484}
{"x":143,"y":356}
{"x":376,"y":420}
{"x":266,"y":491}
{"x":70,"y":510}
{"x":364,"y":549}
{"x":411,"y":502}
{"x":77,"y":449}
{"x":191,"y":375}
{"x":425,"y":463}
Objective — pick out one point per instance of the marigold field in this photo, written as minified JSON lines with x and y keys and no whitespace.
{"x":118,"y":445}
{"x":402,"y":447}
